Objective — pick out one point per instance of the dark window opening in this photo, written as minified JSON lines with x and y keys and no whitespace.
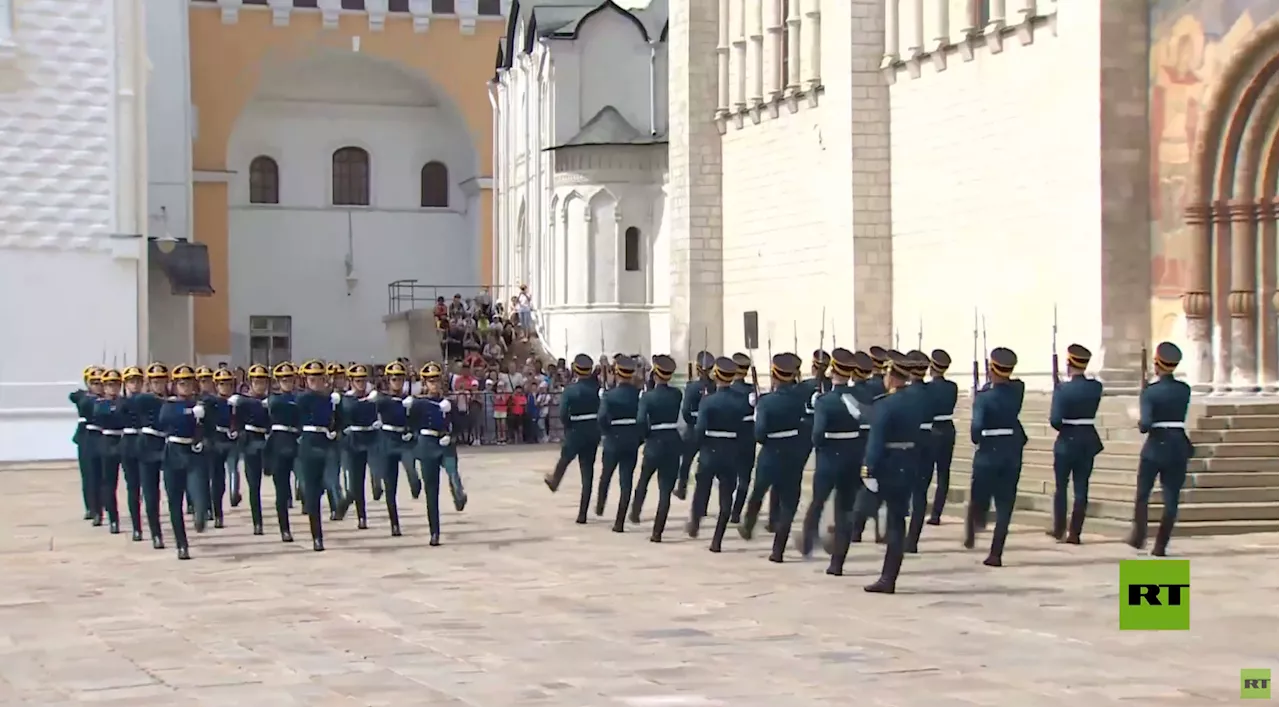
{"x":350,"y":177}
{"x":264,"y":181}
{"x":631,"y":249}
{"x":435,"y":185}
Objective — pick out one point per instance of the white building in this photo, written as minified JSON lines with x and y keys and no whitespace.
{"x":72,"y":209}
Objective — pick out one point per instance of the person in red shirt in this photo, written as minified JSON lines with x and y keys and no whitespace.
{"x":517,"y":405}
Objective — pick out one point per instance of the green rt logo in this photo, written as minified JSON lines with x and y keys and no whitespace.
{"x":1255,"y":684}
{"x":1155,"y":595}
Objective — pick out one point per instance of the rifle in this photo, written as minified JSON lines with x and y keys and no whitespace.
{"x":986,"y":360}
{"x":822,"y":344}
{"x":688,"y":350}
{"x":705,"y":375}
{"x":1057,"y":380}
{"x":895,"y":338}
{"x":795,"y":337}
{"x":604,"y":378}
{"x":768,"y":342}
{"x":975,"y":351}
{"x":1143,"y":382}
{"x":920,"y":334}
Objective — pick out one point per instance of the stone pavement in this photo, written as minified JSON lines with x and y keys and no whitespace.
{"x":520,"y":606}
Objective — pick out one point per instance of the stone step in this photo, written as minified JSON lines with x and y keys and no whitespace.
{"x":1124,"y":406}
{"x":1134,"y":448}
{"x":963,"y":458}
{"x":1128,"y":478}
{"x":1131,"y":434}
{"x":1238,"y":422}
{"x":1041,"y":483}
{"x":1118,"y":529}
{"x":1241,"y":480}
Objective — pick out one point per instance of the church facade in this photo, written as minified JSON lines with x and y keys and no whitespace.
{"x":947,"y":173}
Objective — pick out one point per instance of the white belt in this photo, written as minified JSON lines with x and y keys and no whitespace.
{"x":313,"y":428}
{"x":152,"y":431}
{"x":943,"y":418}
{"x":693,"y":413}
{"x":113,"y":433}
{"x":358,"y":428}
{"x":80,"y":419}
{"x":808,"y":411}
{"x":624,"y":421}
{"x":222,"y":429}
{"x":842,"y":435}
{"x":864,"y":427}
{"x":130,"y":430}
{"x":1168,"y":425}
{"x":783,"y":434}
{"x":1081,"y":422}
{"x":431,"y":433}
{"x":901,"y":445}
{"x":749,"y":418}
{"x":926,"y":425}
{"x":1001,"y":432}
{"x":284,"y":428}
{"x":719,"y":434}
{"x":393,"y":428}
{"x":580,"y":418}
{"x":181,"y":440}
{"x":665,"y":426}
{"x":255,"y":428}
{"x":93,"y":428}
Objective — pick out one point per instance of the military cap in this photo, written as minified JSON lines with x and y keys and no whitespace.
{"x":743,"y":361}
{"x":879,"y":355}
{"x":863,"y":364}
{"x":430,"y":371}
{"x":704,"y":360}
{"x":182,"y":372}
{"x":939,"y":360}
{"x":89,"y":371}
{"x":843,"y":363}
{"x":111,"y":375}
{"x":918,"y":362}
{"x":334,"y":368}
{"x":1168,"y":356}
{"x":157,"y":370}
{"x":312,"y":368}
{"x":284,"y":370}
{"x":1078,"y":356}
{"x":821,"y":358}
{"x":623,"y":365}
{"x":784,"y":366}
{"x":222,"y":375}
{"x":583,"y":364}
{"x":395,"y":368}
{"x":1003,"y":361}
{"x":663,"y":366}
{"x":357,"y":370}
{"x":724,"y":369}
{"x":132,"y":372}
{"x":204,"y":373}
{"x":258,"y":370}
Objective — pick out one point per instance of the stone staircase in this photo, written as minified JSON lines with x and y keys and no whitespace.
{"x":1233,"y":483}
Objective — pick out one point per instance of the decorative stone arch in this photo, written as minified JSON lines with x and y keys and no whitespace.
{"x":1232,"y":214}
{"x":521,"y":271}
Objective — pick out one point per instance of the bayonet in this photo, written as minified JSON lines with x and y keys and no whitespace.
{"x":1057,"y":380}
{"x":920,"y":335}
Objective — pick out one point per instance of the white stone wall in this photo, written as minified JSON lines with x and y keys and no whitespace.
{"x":996,"y":203}
{"x":71,"y":289}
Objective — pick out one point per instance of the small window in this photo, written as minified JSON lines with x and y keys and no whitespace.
{"x":270,"y":339}
{"x":981,"y":14}
{"x":490,"y":8}
{"x":350,"y":177}
{"x":353,"y":5}
{"x":398,"y":6}
{"x":784,"y":62}
{"x":264,"y":181}
{"x":442,"y":7}
{"x":435,"y":185}
{"x":631,"y":249}
{"x":751,"y":330}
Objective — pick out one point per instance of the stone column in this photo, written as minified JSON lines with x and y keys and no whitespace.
{"x":774,"y":82}
{"x":755,"y":50}
{"x":738,"y":33}
{"x":890,"y":32}
{"x":694,"y":177}
{"x":811,"y":35}
{"x":1241,"y":302}
{"x":793,"y":45}
{"x":1220,"y":214}
{"x":915,"y":28}
{"x":997,"y":16}
{"x":1196,"y":301}
{"x":722,"y":54}
{"x":1265,"y":212}
{"x":940,"y":21}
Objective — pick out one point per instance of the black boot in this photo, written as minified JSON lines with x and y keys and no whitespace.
{"x":660,"y":520}
{"x":722,"y":526}
{"x":1138,"y":532}
{"x":584,"y":503}
{"x":435,"y":540}
{"x":995,"y":557}
{"x":1059,"y":528}
{"x":97,"y":520}
{"x":114,"y":527}
{"x":1163,"y":533}
{"x":393,"y":515}
{"x":888,"y":581}
{"x":157,"y":542}
{"x":317,"y":533}
{"x":88,"y":515}
{"x":747,"y":527}
{"x":282,"y":515}
{"x":137,"y":536}
{"x":970,"y":525}
{"x":257,"y":529}
{"x":1077,"y":522}
{"x":219,"y":521}
{"x":780,"y":538}
{"x":682,"y":490}
{"x":235,"y":499}
{"x":184,"y":553}
{"x":692,"y":526}
{"x":637,"y":502}
{"x":377,"y":490}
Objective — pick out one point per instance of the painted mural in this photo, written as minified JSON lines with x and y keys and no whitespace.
{"x":1191,"y":43}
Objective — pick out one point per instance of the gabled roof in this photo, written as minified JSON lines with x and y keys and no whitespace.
{"x":563,"y":19}
{"x":608,"y":127}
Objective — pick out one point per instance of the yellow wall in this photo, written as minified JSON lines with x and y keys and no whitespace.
{"x":226,"y":63}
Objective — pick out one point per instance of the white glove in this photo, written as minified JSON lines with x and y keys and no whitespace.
{"x":335,"y":397}
{"x":602,"y":393}
{"x":871,"y":484}
{"x":1133,"y":412}
{"x":751,"y":398}
{"x":445,"y":441}
{"x":266,"y":402}
{"x":331,"y":434}
{"x":232,"y":434}
{"x":377,"y":424}
{"x":851,"y":404}
{"x":407,"y":436}
{"x":371,"y":397}
{"x":234,"y":400}
{"x":197,"y":447}
{"x":197,"y":411}
{"x":407,"y":402}
{"x":445,"y":406}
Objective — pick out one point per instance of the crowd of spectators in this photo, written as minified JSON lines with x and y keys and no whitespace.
{"x":479,"y":331}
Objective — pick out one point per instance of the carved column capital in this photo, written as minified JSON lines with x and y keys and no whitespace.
{"x":1196,"y":214}
{"x":1196,"y":305}
{"x":1221,"y":212}
{"x":1242,"y":211}
{"x":1241,"y":304}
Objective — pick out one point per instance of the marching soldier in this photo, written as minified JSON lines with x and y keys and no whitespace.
{"x":717,"y":440}
{"x":395,"y":447}
{"x":944,"y":393}
{"x":334,"y":492}
{"x":204,"y":379}
{"x":223,"y":441}
{"x":891,"y":461}
{"x":109,"y":416}
{"x":1072,"y":413}
{"x":86,"y":439}
{"x":746,"y":442}
{"x":778,"y":424}
{"x":839,"y":445}
{"x":918,"y":368}
{"x":694,"y":391}
{"x":183,"y":421}
{"x":282,"y":442}
{"x":429,"y":415}
{"x":320,"y":419}
{"x":205,"y":390}
{"x":659,"y":418}
{"x":997,"y":461}
{"x":579,"y":413}
{"x":253,"y":424}
{"x":145,"y":408}
{"x":851,"y":454}
{"x":880,"y":357}
{"x":360,"y":411}
{"x":620,"y":438}
{"x":1166,"y":451}
{"x":131,"y":449}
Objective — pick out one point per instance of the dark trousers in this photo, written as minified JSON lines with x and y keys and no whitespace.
{"x":133,"y":490}
{"x":332,"y":480}
{"x":895,"y":497}
{"x":431,"y":464}
{"x":1071,"y":469}
{"x":742,"y":485}
{"x":584,"y":450}
{"x":666,"y":466}
{"x":108,"y":483}
{"x":150,"y":477}
{"x":87,"y":460}
{"x":202,"y":504}
{"x":996,"y":483}
{"x":942,"y":448}
{"x":1171,"y":477}
{"x":311,"y":476}
{"x":829,"y":478}
{"x":783,"y":478}
{"x":357,"y":470}
{"x":725,"y":478}
{"x":388,"y":464}
{"x":686,"y":459}
{"x":620,"y":457}
{"x":184,"y":481}
{"x":253,"y":479}
{"x":281,"y":480}
{"x":919,"y":500}
{"x":217,"y":481}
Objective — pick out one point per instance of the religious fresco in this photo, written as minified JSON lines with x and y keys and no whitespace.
{"x":1191,"y":43}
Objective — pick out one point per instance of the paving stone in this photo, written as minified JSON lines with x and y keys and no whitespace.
{"x":520,"y":606}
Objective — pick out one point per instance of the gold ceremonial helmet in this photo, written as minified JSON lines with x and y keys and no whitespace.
{"x":284,"y":370}
{"x":395,"y":368}
{"x":92,"y":374}
{"x":204,"y":373}
{"x":358,"y":371}
{"x":335,"y":369}
{"x":157,"y":370}
{"x":132,"y":372}
{"x":258,"y":370}
{"x":222,"y":375}
{"x":111,"y":375}
{"x":312,"y":368}
{"x":183,"y":372}
{"x":431,"y":370}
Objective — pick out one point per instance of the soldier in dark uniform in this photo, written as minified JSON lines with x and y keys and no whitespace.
{"x":86,"y":438}
{"x":145,"y":408}
{"x":396,"y":440}
{"x":334,"y":491}
{"x":1166,"y":451}
{"x":579,"y":412}
{"x":717,"y":438}
{"x":620,"y":439}
{"x":778,"y":425}
{"x":918,"y":367}
{"x":944,"y":393}
{"x":319,"y":419}
{"x":130,"y":449}
{"x":109,"y":415}
{"x":204,"y":381}
{"x":659,"y":418}
{"x":252,"y":424}
{"x":360,"y":437}
{"x":746,"y":442}
{"x":185,"y":425}
{"x":1072,"y":414}
{"x":839,"y":444}
{"x":997,"y":461}
{"x":282,"y":442}
{"x":891,"y":460}
{"x":225,"y":438}
{"x":694,"y":391}
{"x":880,"y":357}
{"x":429,"y":415}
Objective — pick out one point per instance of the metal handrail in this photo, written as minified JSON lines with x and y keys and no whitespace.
{"x":407,"y":295}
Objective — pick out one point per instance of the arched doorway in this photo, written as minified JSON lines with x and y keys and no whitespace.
{"x":1231,"y":300}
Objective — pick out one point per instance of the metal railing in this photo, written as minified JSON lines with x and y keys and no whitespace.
{"x":407,"y":295}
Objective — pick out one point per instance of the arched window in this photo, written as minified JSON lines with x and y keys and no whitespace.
{"x":631,"y":249}
{"x":350,"y":177}
{"x":435,"y":185}
{"x":264,"y":181}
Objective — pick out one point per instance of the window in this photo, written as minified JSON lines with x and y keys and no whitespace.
{"x":398,"y":6}
{"x":353,"y":5}
{"x":350,"y":177}
{"x":264,"y":181}
{"x":784,"y":58}
{"x":981,"y":14}
{"x":751,"y":330}
{"x":435,"y":185}
{"x":631,"y":249}
{"x":270,"y":339}
{"x":490,"y":8}
{"x":442,"y":7}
